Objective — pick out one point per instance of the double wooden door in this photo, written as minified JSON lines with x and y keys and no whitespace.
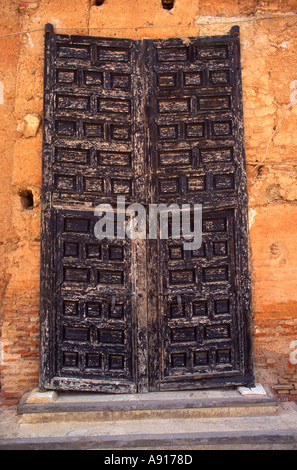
{"x":152,"y":121}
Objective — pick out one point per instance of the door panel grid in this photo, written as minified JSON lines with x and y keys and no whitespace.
{"x":157,"y":122}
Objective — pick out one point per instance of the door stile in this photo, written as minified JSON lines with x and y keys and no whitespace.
{"x":139,"y":263}
{"x":153,"y":245}
{"x":242,"y":252}
{"x":46,"y":363}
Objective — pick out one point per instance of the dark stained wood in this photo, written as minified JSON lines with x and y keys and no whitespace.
{"x":93,"y":320}
{"x":156,"y":121}
{"x":196,"y":146}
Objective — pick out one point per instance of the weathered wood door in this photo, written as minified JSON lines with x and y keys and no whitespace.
{"x":155,"y":122}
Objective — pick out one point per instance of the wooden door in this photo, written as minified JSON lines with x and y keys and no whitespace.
{"x":202,"y":310}
{"x":154,"y":122}
{"x":92,"y":153}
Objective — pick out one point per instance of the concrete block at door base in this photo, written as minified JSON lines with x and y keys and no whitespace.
{"x":42,"y":396}
{"x":257,"y":390}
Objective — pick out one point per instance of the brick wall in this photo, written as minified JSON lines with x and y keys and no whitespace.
{"x":286,"y":387}
{"x":268,"y":69}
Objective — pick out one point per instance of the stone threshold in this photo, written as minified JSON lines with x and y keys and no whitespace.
{"x":48,"y":406}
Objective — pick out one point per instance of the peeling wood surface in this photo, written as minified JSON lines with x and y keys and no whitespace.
{"x":156,"y":121}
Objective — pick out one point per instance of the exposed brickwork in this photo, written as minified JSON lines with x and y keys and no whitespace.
{"x":268,"y":68}
{"x":286,"y":388}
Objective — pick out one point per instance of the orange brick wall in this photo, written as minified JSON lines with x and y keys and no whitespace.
{"x":268,"y":49}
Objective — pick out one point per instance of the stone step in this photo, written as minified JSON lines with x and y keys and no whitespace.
{"x":42,"y":407}
{"x":263,"y":432}
{"x":153,"y":444}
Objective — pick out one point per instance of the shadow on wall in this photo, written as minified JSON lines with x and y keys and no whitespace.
{"x":167,"y":4}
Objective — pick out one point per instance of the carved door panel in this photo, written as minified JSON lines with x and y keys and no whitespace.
{"x":92,"y":153}
{"x":196,"y":149}
{"x":155,"y":122}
